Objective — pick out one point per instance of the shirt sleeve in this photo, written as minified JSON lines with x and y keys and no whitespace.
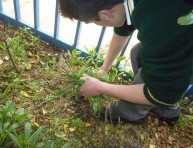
{"x":124,"y":30}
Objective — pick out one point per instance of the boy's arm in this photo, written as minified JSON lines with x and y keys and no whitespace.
{"x":116,"y":45}
{"x":129,"y":93}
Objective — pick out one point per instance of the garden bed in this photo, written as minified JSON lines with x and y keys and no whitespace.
{"x":42,"y":91}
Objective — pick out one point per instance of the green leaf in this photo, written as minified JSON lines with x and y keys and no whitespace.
{"x":131,"y":74}
{"x":15,"y":140}
{"x":6,"y":125}
{"x":91,"y":73}
{"x":67,"y":145}
{"x":14,"y":126}
{"x":121,"y":58}
{"x":1,"y":127}
{"x":82,"y":79}
{"x":27,"y":130}
{"x":19,"y":111}
{"x":35,"y":136}
{"x":59,"y":93}
{"x":106,"y":78}
{"x":59,"y":135}
{"x":2,"y":45}
{"x":74,"y":52}
{"x":47,"y":143}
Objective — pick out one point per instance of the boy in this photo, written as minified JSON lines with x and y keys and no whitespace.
{"x":165,"y":31}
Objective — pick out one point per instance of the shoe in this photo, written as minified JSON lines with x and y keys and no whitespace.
{"x":111,"y":115}
{"x":169,"y":121}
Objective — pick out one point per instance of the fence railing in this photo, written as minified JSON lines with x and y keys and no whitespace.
{"x":50,"y":38}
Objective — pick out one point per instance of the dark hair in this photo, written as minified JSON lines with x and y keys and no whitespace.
{"x":85,"y":10}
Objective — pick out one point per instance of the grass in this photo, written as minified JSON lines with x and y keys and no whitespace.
{"x":46,"y":81}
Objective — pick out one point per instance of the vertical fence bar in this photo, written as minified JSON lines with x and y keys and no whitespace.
{"x":1,"y":6}
{"x":36,"y":14}
{"x":100,"y":39}
{"x":77,"y":35}
{"x":17,"y":10}
{"x":57,"y":20}
{"x":124,"y":49}
{"x":188,"y":92}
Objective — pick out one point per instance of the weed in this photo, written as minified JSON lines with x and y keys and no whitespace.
{"x":10,"y":119}
{"x":50,"y":63}
{"x":26,"y":139}
{"x":90,"y":67}
{"x":184,"y":121}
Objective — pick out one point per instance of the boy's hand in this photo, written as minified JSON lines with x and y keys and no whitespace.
{"x":90,"y":87}
{"x":102,"y":72}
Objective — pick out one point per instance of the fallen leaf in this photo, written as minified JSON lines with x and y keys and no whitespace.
{"x":46,"y":119}
{"x":27,"y":76}
{"x":7,"y":90}
{"x":1,"y":62}
{"x":65,"y":106}
{"x":66,"y":55}
{"x":142,"y":136}
{"x":6,"y":58}
{"x":86,"y":124}
{"x":171,"y":138}
{"x":28,"y":66}
{"x":66,"y":128}
{"x":156,"y":135}
{"x":26,"y":104}
{"x":24,"y":94}
{"x":152,"y":146}
{"x":33,"y":119}
{"x":43,"y":111}
{"x":36,"y":124}
{"x":37,"y":56}
{"x":34,"y":62}
{"x":30,"y":54}
{"x":119,"y":131}
{"x":67,"y":139}
{"x":71,"y":129}
{"x":17,"y":100}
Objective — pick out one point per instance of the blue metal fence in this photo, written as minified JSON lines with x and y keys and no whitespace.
{"x":17,"y":22}
{"x":53,"y":39}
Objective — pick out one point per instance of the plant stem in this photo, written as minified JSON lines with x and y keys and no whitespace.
{"x":9,"y":53}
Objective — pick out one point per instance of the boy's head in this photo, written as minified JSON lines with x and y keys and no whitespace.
{"x":96,"y":11}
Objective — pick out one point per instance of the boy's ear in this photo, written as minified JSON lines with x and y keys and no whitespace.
{"x":105,"y":14}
